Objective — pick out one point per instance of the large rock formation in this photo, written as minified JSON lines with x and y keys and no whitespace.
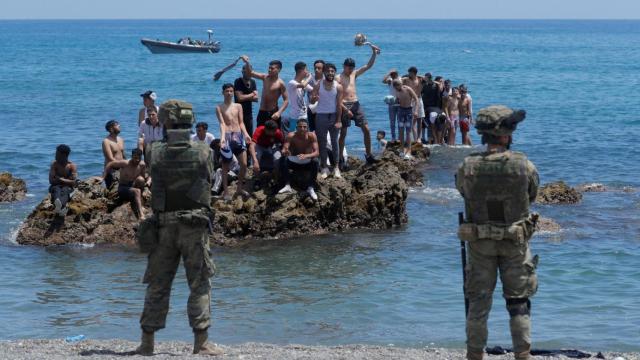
{"x":11,"y":188}
{"x":367,"y":196}
{"x":558,"y":193}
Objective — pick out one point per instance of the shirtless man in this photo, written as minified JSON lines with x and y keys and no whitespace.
{"x":233,"y":138}
{"x":351,"y":109}
{"x":63,"y":176}
{"x":452,"y":111}
{"x":112,"y":149}
{"x":466,"y":115}
{"x":406,"y":113}
{"x":272,"y":88}
{"x":133,"y":179}
{"x":415,"y":83}
{"x":301,"y":151}
{"x":148,"y":100}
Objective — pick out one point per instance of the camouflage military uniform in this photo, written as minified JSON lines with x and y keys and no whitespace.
{"x":180,"y":197}
{"x":498,"y":187}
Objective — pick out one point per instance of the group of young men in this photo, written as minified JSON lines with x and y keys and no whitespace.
{"x":421,"y":104}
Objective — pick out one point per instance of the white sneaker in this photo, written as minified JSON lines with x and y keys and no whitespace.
{"x":408,"y":156}
{"x":336,"y":173}
{"x":312,"y":193}
{"x":324,"y":173}
{"x":286,"y":189}
{"x":58,"y":206}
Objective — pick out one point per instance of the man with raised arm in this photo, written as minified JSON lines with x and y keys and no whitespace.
{"x":351,"y":108}
{"x":272,"y":89}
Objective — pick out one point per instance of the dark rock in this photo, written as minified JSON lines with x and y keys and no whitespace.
{"x":366,"y":197}
{"x":558,"y":193}
{"x":11,"y":188}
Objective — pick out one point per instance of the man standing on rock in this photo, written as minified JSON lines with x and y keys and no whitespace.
{"x":351,"y":108}
{"x":272,"y":89}
{"x":112,"y":149}
{"x":180,"y":199}
{"x":63,"y":176}
{"x":497,"y":186}
{"x":406,"y":113}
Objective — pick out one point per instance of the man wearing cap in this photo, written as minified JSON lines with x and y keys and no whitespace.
{"x":148,"y":100}
{"x":180,"y":199}
{"x":497,"y":186}
{"x":351,"y":108}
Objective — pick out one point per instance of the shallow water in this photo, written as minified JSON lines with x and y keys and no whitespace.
{"x":401,"y":286}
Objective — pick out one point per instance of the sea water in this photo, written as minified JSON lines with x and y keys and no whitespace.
{"x":60,"y":81}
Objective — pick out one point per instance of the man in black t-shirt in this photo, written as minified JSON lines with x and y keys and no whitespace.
{"x":432,"y":100}
{"x":245,"y":94}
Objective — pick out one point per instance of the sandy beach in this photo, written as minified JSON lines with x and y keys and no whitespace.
{"x":118,"y":349}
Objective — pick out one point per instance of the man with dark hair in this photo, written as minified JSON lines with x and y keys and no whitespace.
{"x":351,"y":108}
{"x":150,"y":131}
{"x":328,"y":120}
{"x":233,"y":138}
{"x":466,"y":115}
{"x":318,"y":75}
{"x":246,"y":94}
{"x":296,"y":89}
{"x":415,"y":83}
{"x":301,"y":151}
{"x":498,"y":186}
{"x":202,"y":134}
{"x":393,"y":106}
{"x":112,"y":149}
{"x":63,"y":176}
{"x":133,"y":179}
{"x":265,"y":147}
{"x":272,"y":89}
{"x":148,"y":100}
{"x":406,"y":114}
{"x":432,"y":101}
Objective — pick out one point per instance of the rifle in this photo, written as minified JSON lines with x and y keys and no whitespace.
{"x":463,"y":255}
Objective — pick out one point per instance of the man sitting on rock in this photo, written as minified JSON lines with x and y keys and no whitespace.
{"x":133,"y":179}
{"x":63,"y":176}
{"x":234,"y":167}
{"x":265,"y":148}
{"x":112,"y":149}
{"x":301,"y":150}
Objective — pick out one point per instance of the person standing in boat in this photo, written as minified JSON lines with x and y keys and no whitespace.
{"x":272,"y":89}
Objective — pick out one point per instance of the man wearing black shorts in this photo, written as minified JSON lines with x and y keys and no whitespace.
{"x":246,"y":94}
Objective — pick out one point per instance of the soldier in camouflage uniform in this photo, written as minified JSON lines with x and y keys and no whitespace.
{"x":180,"y":199}
{"x":497,"y":186}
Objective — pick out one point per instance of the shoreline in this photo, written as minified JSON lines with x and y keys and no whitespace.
{"x":119,"y":349}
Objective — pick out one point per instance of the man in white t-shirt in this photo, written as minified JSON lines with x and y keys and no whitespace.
{"x":202,"y":134}
{"x":148,"y":100}
{"x":296,"y":89}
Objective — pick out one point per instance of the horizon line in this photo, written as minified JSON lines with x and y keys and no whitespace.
{"x":324,"y":18}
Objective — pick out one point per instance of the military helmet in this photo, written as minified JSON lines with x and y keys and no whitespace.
{"x":498,"y":120}
{"x":176,"y":112}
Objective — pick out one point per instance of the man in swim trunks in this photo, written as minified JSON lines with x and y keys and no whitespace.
{"x":415,"y":83}
{"x":466,"y":116}
{"x":133,"y":179}
{"x":63,"y":176}
{"x":272,"y":88}
{"x":351,"y":108}
{"x":112,"y":149}
{"x":301,"y":151}
{"x":233,"y":138}
{"x":453,"y":115}
{"x":406,"y":113}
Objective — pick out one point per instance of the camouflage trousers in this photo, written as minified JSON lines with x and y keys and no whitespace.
{"x":516,"y":266}
{"x":179,"y":236}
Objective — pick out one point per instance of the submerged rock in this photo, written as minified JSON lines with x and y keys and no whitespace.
{"x":593,"y":187}
{"x":547,"y":225}
{"x":366,"y":197}
{"x":558,"y":193}
{"x":11,"y":188}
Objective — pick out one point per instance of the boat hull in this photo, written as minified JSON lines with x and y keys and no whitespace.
{"x":164,"y":47}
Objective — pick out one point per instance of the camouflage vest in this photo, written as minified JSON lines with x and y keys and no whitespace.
{"x":180,"y":176}
{"x":495,"y":187}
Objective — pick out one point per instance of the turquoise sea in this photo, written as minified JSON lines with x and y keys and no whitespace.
{"x":60,"y":81}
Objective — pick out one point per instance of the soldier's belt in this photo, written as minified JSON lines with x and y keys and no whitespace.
{"x":473,"y":232}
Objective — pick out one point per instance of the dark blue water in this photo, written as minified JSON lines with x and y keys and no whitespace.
{"x":60,"y":81}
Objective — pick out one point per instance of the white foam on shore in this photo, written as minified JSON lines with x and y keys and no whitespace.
{"x":437,"y":195}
